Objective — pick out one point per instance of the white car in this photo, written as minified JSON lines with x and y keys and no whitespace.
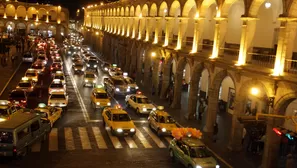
{"x":58,"y":99}
{"x":115,"y":72}
{"x":59,"y":75}
{"x":131,"y":84}
{"x":56,"y":86}
{"x":42,"y":58}
{"x":28,"y":57}
{"x":140,"y":103}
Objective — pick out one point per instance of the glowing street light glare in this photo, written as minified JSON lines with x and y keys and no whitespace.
{"x":267,"y":5}
{"x":254,"y":91}
{"x":140,"y":15}
{"x":153,"y":54}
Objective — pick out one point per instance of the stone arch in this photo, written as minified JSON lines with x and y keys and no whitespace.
{"x":53,"y":29}
{"x":21,"y":25}
{"x":10,"y":25}
{"x":226,"y":7}
{"x":292,"y":11}
{"x":284,"y":101}
{"x":256,"y":4}
{"x":114,"y":12}
{"x":175,"y":9}
{"x":205,"y":5}
{"x":188,"y":7}
{"x":127,"y":11}
{"x":138,"y":10}
{"x":118,"y":11}
{"x":31,"y":11}
{"x":122,"y":11}
{"x":163,"y":9}
{"x":132,"y":12}
{"x":153,"y":10}
{"x":42,"y":14}
{"x":145,"y":10}
{"x":2,"y":10}
{"x":10,"y":10}
{"x":108,"y":13}
{"x":21,"y":11}
{"x":52,"y":15}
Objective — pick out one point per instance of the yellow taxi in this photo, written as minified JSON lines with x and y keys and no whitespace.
{"x":89,"y":79}
{"x":59,"y":75}
{"x":161,"y":121}
{"x":6,"y":110}
{"x":118,"y":121}
{"x":99,"y":97}
{"x":52,"y":114}
{"x":26,"y":85}
{"x":32,"y":75}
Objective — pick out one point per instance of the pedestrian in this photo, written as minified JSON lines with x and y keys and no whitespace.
{"x":243,"y":135}
{"x":200,"y":109}
{"x":12,"y":59}
{"x":290,"y":161}
{"x":261,"y":143}
{"x":215,"y":132}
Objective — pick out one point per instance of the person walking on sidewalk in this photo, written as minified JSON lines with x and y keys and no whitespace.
{"x":215,"y":132}
{"x":201,"y":109}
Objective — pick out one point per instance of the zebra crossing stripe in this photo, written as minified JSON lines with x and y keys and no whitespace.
{"x":154,"y":137}
{"x":69,"y":139}
{"x":130,"y":142}
{"x":53,"y":140}
{"x":142,"y":139}
{"x":85,"y":141}
{"x":115,"y":141}
{"x":99,"y":138}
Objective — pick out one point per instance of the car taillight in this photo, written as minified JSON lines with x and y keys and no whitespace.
{"x":14,"y":149}
{"x":32,"y":87}
{"x":51,"y":68}
{"x":23,"y":101}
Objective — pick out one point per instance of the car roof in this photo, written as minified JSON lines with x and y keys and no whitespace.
{"x":192,"y":142}
{"x":161,"y":113}
{"x":140,"y":96}
{"x":117,"y":77}
{"x":99,"y":90}
{"x":18,"y":119}
{"x":58,"y":93}
{"x":4,"y":106}
{"x":89,"y":72}
{"x":31,"y":70}
{"x":17,"y":90}
{"x":117,"y":111}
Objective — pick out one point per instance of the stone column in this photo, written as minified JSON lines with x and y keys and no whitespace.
{"x":116,"y":26}
{"x":157,"y":29}
{"x":140,"y":26}
{"x":165,"y":79}
{"x":197,"y":34}
{"x":286,"y":37}
{"x":247,"y":35}
{"x":128,"y":26}
{"x":272,"y":143}
{"x":135,"y":21}
{"x":58,"y":33}
{"x":167,"y":30}
{"x":147,"y":28}
{"x":155,"y":77}
{"x":177,"y":89}
{"x":212,"y":107}
{"x":147,"y":67}
{"x":193,"y":96}
{"x":181,"y":32}
{"x":219,"y":37}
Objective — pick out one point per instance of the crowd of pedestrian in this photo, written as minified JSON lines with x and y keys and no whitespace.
{"x":253,"y":140}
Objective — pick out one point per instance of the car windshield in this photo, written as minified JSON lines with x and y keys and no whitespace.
{"x":6,"y":137}
{"x":37,"y":66}
{"x":56,"y":65}
{"x":59,"y":77}
{"x":27,"y":84}
{"x":3,"y":112}
{"x":101,"y":96}
{"x":89,"y":76}
{"x":30,"y":74}
{"x":120,"y":117}
{"x":56,"y":85}
{"x":166,"y":119}
{"x":58,"y":96}
{"x":57,"y":60}
{"x":41,"y":57}
{"x":143,"y":100}
{"x":199,"y":152}
{"x":78,"y":65}
{"x":17,"y":94}
{"x":119,"y":82}
{"x":130,"y":81}
{"x":27,"y":56}
{"x":92,"y":61}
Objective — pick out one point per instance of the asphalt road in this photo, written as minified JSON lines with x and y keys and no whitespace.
{"x":79,"y":138}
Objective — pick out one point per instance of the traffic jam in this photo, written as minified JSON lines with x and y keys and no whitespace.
{"x":21,"y":127}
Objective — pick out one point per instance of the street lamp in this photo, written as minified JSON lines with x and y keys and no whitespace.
{"x":254,"y":91}
{"x":153,"y":54}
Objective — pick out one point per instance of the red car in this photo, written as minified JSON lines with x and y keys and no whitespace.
{"x":18,"y":97}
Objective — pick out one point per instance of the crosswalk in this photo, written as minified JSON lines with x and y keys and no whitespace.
{"x":93,"y":137}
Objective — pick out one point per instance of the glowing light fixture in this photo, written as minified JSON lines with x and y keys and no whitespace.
{"x":153,"y":54}
{"x":267,"y":5}
{"x":254,"y":91}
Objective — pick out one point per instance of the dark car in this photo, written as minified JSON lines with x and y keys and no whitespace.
{"x":28,"y":57}
{"x":56,"y":67}
{"x":92,"y":64}
{"x":18,"y":97}
{"x":105,"y":66}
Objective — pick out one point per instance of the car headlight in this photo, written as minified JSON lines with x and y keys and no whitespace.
{"x":154,"y":108}
{"x":128,"y":90}
{"x":94,"y":81}
{"x":86,"y":80}
{"x":69,"y":52}
{"x":108,"y":104}
{"x":95,"y":66}
{"x":106,"y":69}
{"x":136,"y":87}
{"x":163,"y":129}
{"x":144,"y":109}
{"x":98,"y":103}
{"x":117,"y":89}
{"x":217,"y":166}
{"x":88,"y":65}
{"x":119,"y":130}
{"x":76,"y":69}
{"x":88,"y":48}
{"x":198,"y":166}
{"x":132,"y":130}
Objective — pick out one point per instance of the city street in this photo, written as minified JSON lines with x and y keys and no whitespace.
{"x":79,"y":138}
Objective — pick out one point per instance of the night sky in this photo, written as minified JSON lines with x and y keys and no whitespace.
{"x":72,"y":5}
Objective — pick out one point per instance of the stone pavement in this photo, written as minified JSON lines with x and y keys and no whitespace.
{"x":11,"y":66}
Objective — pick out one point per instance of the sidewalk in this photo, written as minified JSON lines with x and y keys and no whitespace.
{"x":7,"y":71}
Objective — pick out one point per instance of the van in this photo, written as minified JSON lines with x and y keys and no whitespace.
{"x":21,"y":131}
